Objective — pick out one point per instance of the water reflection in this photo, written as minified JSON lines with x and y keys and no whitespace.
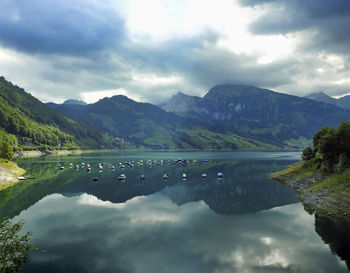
{"x":152,"y":234}
{"x":242,"y":223}
{"x":246,"y":186}
{"x":336,"y":233}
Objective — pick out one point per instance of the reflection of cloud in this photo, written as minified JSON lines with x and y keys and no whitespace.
{"x":151,"y":234}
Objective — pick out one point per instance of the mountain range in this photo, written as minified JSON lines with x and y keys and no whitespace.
{"x":147,"y":125}
{"x":227,"y":117}
{"x":257,"y":113}
{"x":343,"y":102}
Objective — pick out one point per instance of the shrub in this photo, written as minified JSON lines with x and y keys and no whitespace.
{"x":308,"y":153}
{"x":14,"y":248}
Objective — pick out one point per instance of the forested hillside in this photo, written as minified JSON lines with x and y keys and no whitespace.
{"x":35,"y":124}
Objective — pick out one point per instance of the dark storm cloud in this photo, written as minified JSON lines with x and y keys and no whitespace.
{"x":61,"y":27}
{"x":327,"y":22}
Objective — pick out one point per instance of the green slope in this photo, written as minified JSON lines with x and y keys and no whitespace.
{"x":35,"y":124}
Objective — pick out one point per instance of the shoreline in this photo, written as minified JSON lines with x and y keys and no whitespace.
{"x":9,"y":173}
{"x":37,"y":153}
{"x":315,"y":196}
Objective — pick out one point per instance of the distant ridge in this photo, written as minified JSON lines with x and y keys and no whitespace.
{"x":74,"y":102}
{"x":343,"y":102}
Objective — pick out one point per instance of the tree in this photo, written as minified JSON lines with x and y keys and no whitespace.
{"x":343,"y":135}
{"x":14,"y":248}
{"x":308,"y":153}
{"x":6,"y":150}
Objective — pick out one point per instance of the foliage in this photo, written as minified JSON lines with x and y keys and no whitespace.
{"x":331,"y":149}
{"x":6,"y":150}
{"x":308,"y":153}
{"x":14,"y":247}
{"x":33,"y":123}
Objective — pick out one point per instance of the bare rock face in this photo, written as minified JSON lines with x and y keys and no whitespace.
{"x":180,"y":103}
{"x":257,"y":113}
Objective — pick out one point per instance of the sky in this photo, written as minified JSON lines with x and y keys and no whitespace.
{"x":150,"y":50}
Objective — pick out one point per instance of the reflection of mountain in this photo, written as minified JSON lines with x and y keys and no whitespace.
{"x":245,"y":188}
{"x":49,"y":179}
{"x":335,"y":233}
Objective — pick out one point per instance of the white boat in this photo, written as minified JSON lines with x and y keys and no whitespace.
{"x":122,"y":177}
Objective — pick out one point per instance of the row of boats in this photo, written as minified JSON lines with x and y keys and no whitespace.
{"x":166,"y":176}
{"x":140,"y":163}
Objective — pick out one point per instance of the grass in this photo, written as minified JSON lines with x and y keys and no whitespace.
{"x":339,"y":182}
{"x":328,"y":196}
{"x":12,"y":171}
{"x":294,"y":171}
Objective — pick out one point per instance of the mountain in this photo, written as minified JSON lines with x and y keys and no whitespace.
{"x":343,"y":102}
{"x":180,"y":103}
{"x":74,"y":102}
{"x":35,"y":124}
{"x":261,"y":114}
{"x":322,"y":97}
{"x":147,"y":125}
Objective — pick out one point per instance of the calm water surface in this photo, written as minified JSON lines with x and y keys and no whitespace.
{"x":242,"y":223}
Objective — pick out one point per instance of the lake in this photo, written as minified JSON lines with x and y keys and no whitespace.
{"x":242,"y":222}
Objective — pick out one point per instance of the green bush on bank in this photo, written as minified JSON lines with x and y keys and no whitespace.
{"x":331,"y":149}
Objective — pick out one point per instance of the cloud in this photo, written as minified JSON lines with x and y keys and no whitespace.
{"x":60,"y":27}
{"x":326,"y":23}
{"x":67,"y":49}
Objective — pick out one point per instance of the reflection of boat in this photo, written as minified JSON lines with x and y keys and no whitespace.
{"x":24,"y":177}
{"x":122,"y":177}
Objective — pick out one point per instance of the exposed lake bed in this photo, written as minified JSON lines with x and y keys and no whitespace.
{"x":243,"y":222}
